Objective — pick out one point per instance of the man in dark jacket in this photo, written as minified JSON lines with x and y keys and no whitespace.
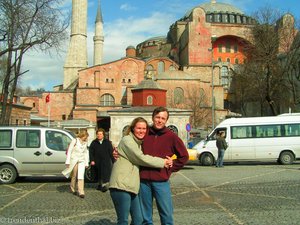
{"x":101,"y":156}
{"x":222,"y":146}
{"x":160,"y":142}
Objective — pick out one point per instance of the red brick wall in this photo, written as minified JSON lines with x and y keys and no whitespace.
{"x":87,"y":96}
{"x":61,"y":103}
{"x":112,"y":78}
{"x":140,"y":97}
{"x":90,"y":115}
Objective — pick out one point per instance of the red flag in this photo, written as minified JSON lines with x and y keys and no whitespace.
{"x":48,"y":98}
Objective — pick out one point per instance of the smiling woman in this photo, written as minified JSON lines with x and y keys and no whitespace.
{"x":125,"y":178}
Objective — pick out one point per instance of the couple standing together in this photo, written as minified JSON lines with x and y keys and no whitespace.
{"x":140,"y":173}
{"x":143,"y":169}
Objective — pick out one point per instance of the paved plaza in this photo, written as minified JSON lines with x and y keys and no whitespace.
{"x":236,"y":194}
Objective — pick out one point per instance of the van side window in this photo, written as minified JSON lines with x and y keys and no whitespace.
{"x":5,"y":138}
{"x":268,"y":131}
{"x":28,"y":139}
{"x":57,"y":141}
{"x":241,"y":132}
{"x":292,"y":129}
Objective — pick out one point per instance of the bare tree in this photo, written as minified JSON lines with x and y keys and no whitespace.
{"x":262,"y":78}
{"x":194,"y":99}
{"x":26,"y":24}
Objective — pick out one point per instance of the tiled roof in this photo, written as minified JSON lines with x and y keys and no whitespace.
{"x":148,"y":84}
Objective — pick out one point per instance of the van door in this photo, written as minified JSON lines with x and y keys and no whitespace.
{"x":241,"y":145}
{"x":55,"y":154}
{"x":29,"y":151}
{"x":266,"y":143}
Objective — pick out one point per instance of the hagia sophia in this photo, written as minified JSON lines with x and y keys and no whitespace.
{"x":188,"y":70}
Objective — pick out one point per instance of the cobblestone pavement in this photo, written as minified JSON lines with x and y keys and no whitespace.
{"x":236,"y":194}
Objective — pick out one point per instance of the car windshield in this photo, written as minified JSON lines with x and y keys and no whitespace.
{"x":71,"y":133}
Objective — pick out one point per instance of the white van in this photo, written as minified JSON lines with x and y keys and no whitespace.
{"x":32,"y":151}
{"x":274,"y":138}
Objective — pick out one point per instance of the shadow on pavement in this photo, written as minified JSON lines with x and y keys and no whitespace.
{"x":102,"y":222}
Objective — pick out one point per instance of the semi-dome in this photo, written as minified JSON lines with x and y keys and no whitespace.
{"x":130,"y":47}
{"x":158,"y":38}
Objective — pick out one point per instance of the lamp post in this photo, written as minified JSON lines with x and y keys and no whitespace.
{"x":213,"y":39}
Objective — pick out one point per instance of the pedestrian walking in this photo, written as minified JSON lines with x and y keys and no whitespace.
{"x":101,"y":157}
{"x":76,"y":162}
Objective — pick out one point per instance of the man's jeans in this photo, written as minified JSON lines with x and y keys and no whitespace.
{"x":220,"y":159}
{"x":124,"y":203}
{"x":161,"y":191}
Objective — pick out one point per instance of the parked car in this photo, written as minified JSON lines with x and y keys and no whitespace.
{"x":32,"y":151}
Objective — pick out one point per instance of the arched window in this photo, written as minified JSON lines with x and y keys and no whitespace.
{"x":149,"y":67}
{"x":161,"y":67}
{"x":202,"y":98}
{"x":228,"y":47}
{"x":178,"y":95}
{"x":224,"y":76}
{"x":235,"y":48}
{"x":220,"y":47}
{"x":236,"y":61}
{"x":107,"y":100}
{"x":149,"y":100}
{"x":172,"y":68}
{"x":173,"y":128}
{"x":225,"y":18}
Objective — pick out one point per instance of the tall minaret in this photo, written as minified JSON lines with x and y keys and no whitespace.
{"x":98,"y":38}
{"x":77,"y":54}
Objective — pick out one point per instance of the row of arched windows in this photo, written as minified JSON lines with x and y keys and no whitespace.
{"x":109,"y":100}
{"x":228,"y":18}
{"x":160,"y":67}
{"x":236,"y":61}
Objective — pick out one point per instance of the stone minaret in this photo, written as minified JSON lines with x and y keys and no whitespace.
{"x":98,"y":38}
{"x":77,"y":53}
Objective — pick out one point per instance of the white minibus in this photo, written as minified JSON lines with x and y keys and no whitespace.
{"x":275,"y":138}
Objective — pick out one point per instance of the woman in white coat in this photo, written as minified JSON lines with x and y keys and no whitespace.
{"x":77,"y":161}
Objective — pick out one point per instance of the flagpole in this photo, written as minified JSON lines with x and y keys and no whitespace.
{"x":48,"y":114}
{"x":48,"y":104}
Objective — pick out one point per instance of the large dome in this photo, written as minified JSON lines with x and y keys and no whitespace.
{"x":220,"y":7}
{"x":215,"y":7}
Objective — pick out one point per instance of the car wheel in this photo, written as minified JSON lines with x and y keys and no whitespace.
{"x":286,"y":158}
{"x":8,"y":174}
{"x":206,"y":159}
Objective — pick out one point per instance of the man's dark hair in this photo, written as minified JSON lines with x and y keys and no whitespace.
{"x":160,"y":109}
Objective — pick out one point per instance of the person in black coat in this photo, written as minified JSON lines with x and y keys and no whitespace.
{"x":222,"y":146}
{"x":101,"y":156}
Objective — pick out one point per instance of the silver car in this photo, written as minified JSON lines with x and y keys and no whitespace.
{"x":32,"y":151}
